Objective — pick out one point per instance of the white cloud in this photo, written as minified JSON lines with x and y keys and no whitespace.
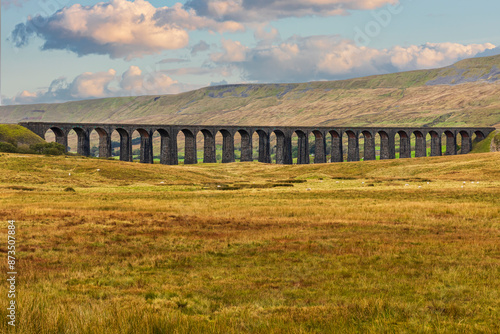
{"x":300,"y":59}
{"x":87,"y":85}
{"x":92,"y":84}
{"x":234,"y":52}
{"x":119,"y":28}
{"x":265,"y":10}
{"x":188,"y":19}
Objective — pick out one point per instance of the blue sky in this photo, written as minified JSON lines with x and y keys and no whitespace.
{"x":88,"y":49}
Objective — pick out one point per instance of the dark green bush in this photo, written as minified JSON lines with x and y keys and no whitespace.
{"x":48,"y":148}
{"x":7,"y":147}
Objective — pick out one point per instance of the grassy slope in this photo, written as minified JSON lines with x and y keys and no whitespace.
{"x":485,"y":145}
{"x":18,"y":135}
{"x":393,"y":99}
{"x":160,"y":249}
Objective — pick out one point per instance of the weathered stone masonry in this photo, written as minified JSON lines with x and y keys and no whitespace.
{"x":169,"y":154}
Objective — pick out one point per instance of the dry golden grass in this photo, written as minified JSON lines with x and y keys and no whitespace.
{"x":388,"y":246}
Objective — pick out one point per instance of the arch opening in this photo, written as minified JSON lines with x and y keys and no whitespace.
{"x":122,"y":144}
{"x":100,"y":143}
{"x":81,"y":140}
{"x":466,"y":142}
{"x":189,"y":152}
{"x":164,"y":147}
{"x":55,"y":134}
{"x":300,"y":153}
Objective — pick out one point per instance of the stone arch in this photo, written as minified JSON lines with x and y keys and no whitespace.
{"x":319,"y":147}
{"x":209,"y":148}
{"x":337,"y":150}
{"x":246,"y":145}
{"x":387,"y":147}
{"x":352,"y":146}
{"x":302,"y":147}
{"x":59,"y":136}
{"x":227,"y":146}
{"x":168,"y":147}
{"x":125,"y":144}
{"x":451,"y":143}
{"x":190,"y":152}
{"x":420,"y":144}
{"x":83,"y":146}
{"x":283,"y":148}
{"x":104,"y":145}
{"x":146,"y":147}
{"x":479,"y":136}
{"x":368,"y":145}
{"x":435,"y":143}
{"x":466,"y":142}
{"x":404,"y":145}
{"x":264,"y":146}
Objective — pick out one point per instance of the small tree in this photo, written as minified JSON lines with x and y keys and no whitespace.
{"x":48,"y":148}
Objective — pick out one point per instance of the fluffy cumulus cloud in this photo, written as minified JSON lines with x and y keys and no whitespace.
{"x":188,"y":18}
{"x":87,"y":85}
{"x":234,"y":52}
{"x":265,"y":10}
{"x":300,"y":59}
{"x":132,"y":29}
{"x":119,"y":28}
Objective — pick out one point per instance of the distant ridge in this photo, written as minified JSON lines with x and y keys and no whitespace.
{"x":465,"y":93}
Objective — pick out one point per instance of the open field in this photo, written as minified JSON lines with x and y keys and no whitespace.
{"x":383,"y":246}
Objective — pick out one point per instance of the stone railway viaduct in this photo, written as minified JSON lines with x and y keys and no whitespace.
{"x":169,"y":154}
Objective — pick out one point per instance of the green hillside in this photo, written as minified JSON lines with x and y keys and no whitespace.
{"x":466,"y":93}
{"x":18,"y":135}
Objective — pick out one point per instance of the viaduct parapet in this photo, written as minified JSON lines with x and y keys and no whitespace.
{"x":169,"y":154}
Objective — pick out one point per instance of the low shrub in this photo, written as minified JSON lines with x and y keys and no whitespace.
{"x":48,"y":148}
{"x":7,"y":148}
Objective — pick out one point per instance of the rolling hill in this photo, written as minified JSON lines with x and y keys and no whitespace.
{"x":466,"y":93}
